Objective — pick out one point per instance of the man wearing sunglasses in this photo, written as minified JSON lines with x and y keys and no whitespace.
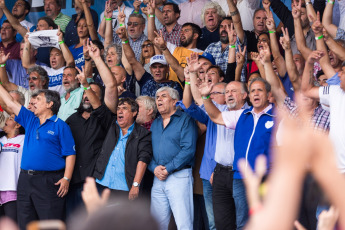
{"x":136,"y":36}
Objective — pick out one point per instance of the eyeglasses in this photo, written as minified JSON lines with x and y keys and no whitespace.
{"x":216,"y":93}
{"x":133,"y":23}
{"x":146,"y":45}
{"x":32,"y":78}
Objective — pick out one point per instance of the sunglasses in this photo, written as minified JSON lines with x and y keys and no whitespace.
{"x":133,"y":23}
{"x":32,"y":78}
{"x":146,"y":45}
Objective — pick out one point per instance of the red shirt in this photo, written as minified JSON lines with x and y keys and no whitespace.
{"x":13,"y":48}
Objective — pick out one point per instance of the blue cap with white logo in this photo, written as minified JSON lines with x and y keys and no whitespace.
{"x":208,"y":56}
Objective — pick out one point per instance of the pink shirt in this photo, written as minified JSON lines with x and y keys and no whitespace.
{"x":7,"y":196}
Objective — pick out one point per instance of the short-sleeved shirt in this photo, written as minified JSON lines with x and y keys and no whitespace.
{"x":46,"y":145}
{"x":334,"y":97}
{"x":148,"y":86}
{"x":62,"y":20}
{"x":69,"y":106}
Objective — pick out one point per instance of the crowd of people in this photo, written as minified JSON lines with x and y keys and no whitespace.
{"x":214,"y":113}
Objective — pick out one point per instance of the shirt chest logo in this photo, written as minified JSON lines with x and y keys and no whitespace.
{"x":269,"y":124}
{"x":50,"y":132}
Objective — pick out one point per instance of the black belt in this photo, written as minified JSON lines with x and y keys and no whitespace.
{"x":34,"y":172}
{"x":184,"y":167}
{"x":220,"y":166}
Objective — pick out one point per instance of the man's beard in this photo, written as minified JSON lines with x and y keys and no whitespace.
{"x":187,"y":42}
{"x":87,"y":107}
{"x":224,"y":39}
{"x":72,"y":87}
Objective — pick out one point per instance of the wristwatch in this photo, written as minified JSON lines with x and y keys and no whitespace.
{"x":136,"y":184}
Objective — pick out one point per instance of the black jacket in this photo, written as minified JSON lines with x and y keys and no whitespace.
{"x":138,"y":148}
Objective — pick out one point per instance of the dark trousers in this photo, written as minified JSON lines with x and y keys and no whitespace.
{"x":37,"y":198}
{"x":74,"y":201}
{"x":9,"y":209}
{"x":222,"y":198}
{"x":200,"y":215}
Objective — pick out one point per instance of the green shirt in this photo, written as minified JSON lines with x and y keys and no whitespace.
{"x":69,"y":107}
{"x":62,"y":20}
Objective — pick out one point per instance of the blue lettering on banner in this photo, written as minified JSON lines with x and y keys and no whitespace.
{"x":55,"y":80}
{"x":10,"y":150}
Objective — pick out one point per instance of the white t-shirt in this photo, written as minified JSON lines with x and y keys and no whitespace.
{"x":10,"y":159}
{"x":334,"y":96}
{"x":55,"y":79}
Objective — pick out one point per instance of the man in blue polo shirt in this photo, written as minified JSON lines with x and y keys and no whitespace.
{"x":48,"y":158}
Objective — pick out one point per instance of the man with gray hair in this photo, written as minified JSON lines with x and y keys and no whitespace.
{"x":174,"y":136}
{"x":38,"y":79}
{"x":136,"y":36}
{"x":211,"y":15}
{"x":147,"y":111}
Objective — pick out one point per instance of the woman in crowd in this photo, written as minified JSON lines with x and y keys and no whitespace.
{"x":10,"y":158}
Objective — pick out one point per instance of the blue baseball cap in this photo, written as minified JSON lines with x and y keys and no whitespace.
{"x":208,"y":56}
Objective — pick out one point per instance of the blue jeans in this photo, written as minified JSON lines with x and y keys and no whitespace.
{"x":241,"y":205}
{"x":207,"y":190}
{"x":175,"y":194}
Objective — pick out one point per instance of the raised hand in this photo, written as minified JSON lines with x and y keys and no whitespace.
{"x":266,"y":4}
{"x":315,"y":56}
{"x":86,"y":48}
{"x":317,"y":26}
{"x":94,"y":51}
{"x":325,"y":34}
{"x":81,"y":76}
{"x":108,"y":11}
{"x":186,"y":74}
{"x":151,"y":6}
{"x":3,"y":57}
{"x":265,"y":54}
{"x":193,"y":62}
{"x":136,"y":5}
{"x":92,"y":200}
{"x":255,"y":56}
{"x":2,"y":4}
{"x":145,"y":11}
{"x":328,"y":219}
{"x":285,"y":39}
{"x":159,"y":41}
{"x":240,"y":55}
{"x":231,"y":34}
{"x":122,"y":33}
{"x":271,"y":26}
{"x":59,"y":34}
{"x":296,"y":9}
{"x":121,"y":17}
{"x":205,"y":88}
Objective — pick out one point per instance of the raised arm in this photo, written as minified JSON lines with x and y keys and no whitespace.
{"x":138,"y":69}
{"x":151,"y":26}
{"x":236,"y":19}
{"x":194,"y":66}
{"x":271,"y":77}
{"x":327,"y":20}
{"x":307,"y":86}
{"x":13,"y":20}
{"x":3,"y":73}
{"x":278,"y":58}
{"x":240,"y":58}
{"x":283,"y":13}
{"x":290,"y":64}
{"x":89,"y":21}
{"x":187,"y":98}
{"x":256,"y":58}
{"x":300,"y":39}
{"x":321,"y":46}
{"x":172,"y":61}
{"x":110,"y":97}
{"x":26,"y":60}
{"x":310,"y":9}
{"x":88,"y":64}
{"x":212,"y":111}
{"x":230,"y":71}
{"x":93,"y":98}
{"x":335,"y":47}
{"x":66,"y":53}
{"x":108,"y":35}
{"x":107,"y":10}
{"x":11,"y":104}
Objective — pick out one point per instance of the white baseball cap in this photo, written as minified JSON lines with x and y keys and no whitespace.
{"x":158,"y":59}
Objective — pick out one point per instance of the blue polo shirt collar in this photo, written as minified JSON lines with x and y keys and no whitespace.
{"x":54,"y":118}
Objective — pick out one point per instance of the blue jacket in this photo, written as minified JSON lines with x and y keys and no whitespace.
{"x":250,"y":142}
